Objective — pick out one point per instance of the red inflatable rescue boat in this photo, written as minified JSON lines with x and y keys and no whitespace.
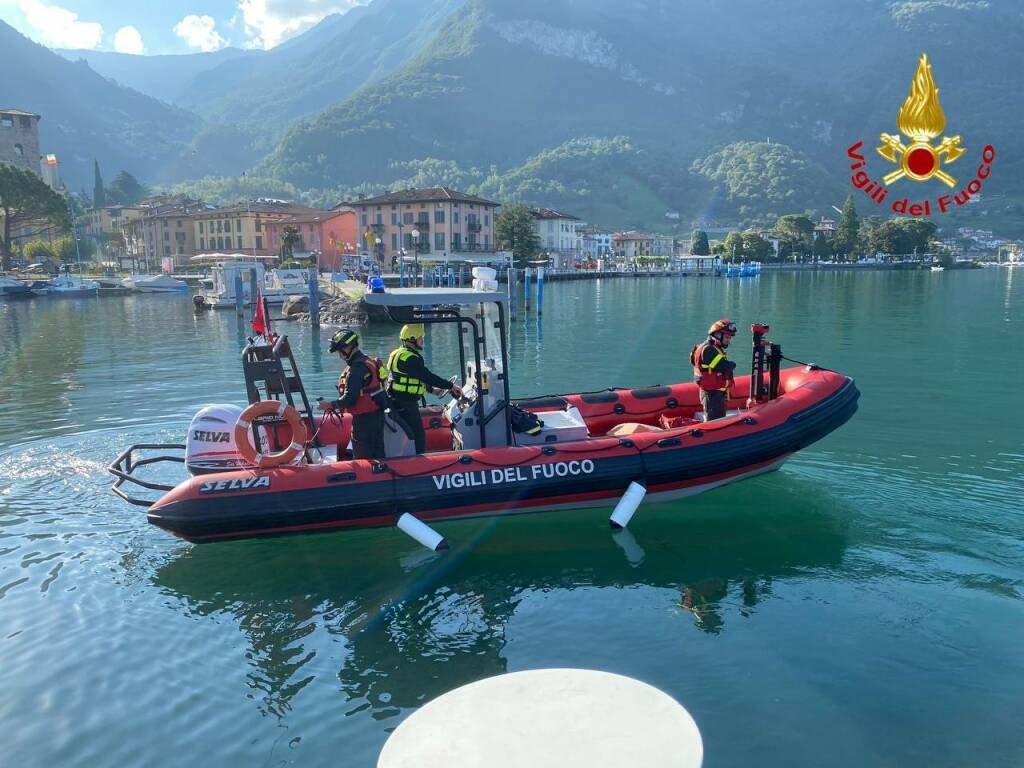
{"x":591,"y":447}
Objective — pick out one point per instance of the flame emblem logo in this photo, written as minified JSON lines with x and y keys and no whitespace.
{"x":921,"y":119}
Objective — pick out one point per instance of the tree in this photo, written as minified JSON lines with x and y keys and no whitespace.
{"x":25,"y":199}
{"x":756,"y":248}
{"x":125,"y":189}
{"x":845,"y":240}
{"x":734,"y":247}
{"x":289,"y":237}
{"x":99,"y":196}
{"x":699,"y":243}
{"x":39,"y":252}
{"x":513,"y":231}
{"x":822,"y":247}
{"x":796,"y":231}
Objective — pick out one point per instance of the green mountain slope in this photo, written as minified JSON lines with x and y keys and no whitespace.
{"x":504,"y":81}
{"x":162,"y":77}
{"x":86,"y":116}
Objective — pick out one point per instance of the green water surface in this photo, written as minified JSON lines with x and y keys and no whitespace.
{"x":860,"y":607}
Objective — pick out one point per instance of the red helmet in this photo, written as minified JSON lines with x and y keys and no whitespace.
{"x":722,"y":326}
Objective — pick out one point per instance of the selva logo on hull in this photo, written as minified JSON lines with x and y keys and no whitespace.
{"x":235,"y":484}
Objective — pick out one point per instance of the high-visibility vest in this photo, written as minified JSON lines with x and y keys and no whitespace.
{"x":372,"y":387}
{"x":708,"y":379}
{"x":399,"y":381}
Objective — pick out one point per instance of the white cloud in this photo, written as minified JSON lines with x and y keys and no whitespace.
{"x":199,"y":32}
{"x":269,"y":22}
{"x":60,"y":28}
{"x":128,"y":40}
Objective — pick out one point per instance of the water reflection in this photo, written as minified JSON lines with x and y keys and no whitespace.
{"x":414,"y":624}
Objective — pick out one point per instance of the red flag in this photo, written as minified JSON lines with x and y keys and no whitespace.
{"x":259,"y":320}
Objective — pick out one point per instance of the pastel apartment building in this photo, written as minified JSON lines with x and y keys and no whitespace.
{"x":162,"y":230}
{"x":440,"y":223}
{"x":241,"y":227}
{"x":330,"y":234}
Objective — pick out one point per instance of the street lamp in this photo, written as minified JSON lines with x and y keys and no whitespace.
{"x":416,"y":255}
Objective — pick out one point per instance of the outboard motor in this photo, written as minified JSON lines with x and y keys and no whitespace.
{"x":210,"y":445}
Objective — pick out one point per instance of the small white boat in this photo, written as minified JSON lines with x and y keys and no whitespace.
{"x":154,"y":284}
{"x":72,"y":287}
{"x":279,"y":284}
{"x":938,"y":268}
{"x":13,"y":289}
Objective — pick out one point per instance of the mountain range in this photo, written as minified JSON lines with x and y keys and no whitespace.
{"x":619,"y":110}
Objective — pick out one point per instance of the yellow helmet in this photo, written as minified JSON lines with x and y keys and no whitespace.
{"x":412,"y":331}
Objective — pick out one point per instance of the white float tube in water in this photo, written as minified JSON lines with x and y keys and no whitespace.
{"x":627,"y":505}
{"x":422,"y":532}
{"x":570,"y":718}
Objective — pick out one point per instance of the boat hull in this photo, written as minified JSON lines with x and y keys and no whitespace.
{"x":450,"y":485}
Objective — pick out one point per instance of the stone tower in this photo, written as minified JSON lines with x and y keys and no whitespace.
{"x":19,"y":139}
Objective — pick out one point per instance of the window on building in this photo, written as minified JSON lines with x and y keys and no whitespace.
{"x":238,"y":225}
{"x":259,"y":242}
{"x":439,"y":217}
{"x":18,"y":150}
{"x":407,"y":241}
{"x":202,"y":243}
{"x":394,"y":241}
{"x":200,"y":227}
{"x":181,"y":250}
{"x":363,"y":219}
{"x":380,"y":218}
{"x":239,"y":242}
{"x":439,"y":241}
{"x":455,"y":218}
{"x":6,"y":122}
{"x":394,"y":219}
{"x":259,"y":225}
{"x":220,"y":243}
{"x":26,"y":123}
{"x":487,"y":220}
{"x":179,"y":223}
{"x":167,"y":250}
{"x":456,"y":240}
{"x":407,"y":217}
{"x":167,"y":235}
{"x":219,"y":227}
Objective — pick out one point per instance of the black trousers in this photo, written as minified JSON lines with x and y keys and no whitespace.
{"x":409,"y":412}
{"x":368,"y":436}
{"x":715,"y":404}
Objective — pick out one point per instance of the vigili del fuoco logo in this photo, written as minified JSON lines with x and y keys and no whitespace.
{"x":921,"y":120}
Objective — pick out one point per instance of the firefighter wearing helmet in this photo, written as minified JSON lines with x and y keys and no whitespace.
{"x":409,"y":379}
{"x":712,"y":370}
{"x":361,"y":387}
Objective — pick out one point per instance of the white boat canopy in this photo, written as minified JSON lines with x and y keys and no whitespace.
{"x":419,"y":297}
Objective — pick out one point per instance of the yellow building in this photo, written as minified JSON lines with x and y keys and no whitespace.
{"x":240,"y":228}
{"x":107,"y":221}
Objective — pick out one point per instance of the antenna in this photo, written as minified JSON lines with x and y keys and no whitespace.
{"x":837,"y":210}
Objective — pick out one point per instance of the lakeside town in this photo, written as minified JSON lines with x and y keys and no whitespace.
{"x":409,"y":229}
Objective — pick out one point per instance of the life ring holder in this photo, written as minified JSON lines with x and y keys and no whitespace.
{"x":282,"y":410}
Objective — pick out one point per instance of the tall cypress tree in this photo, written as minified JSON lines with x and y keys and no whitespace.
{"x":99,"y":196}
{"x":845,"y":242}
{"x":699,"y":243}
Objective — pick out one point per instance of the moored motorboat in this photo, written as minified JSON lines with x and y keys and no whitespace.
{"x":11,"y":288}
{"x":154,"y":284}
{"x":590,"y":448}
{"x":72,"y":287}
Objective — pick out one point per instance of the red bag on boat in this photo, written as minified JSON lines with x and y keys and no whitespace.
{"x":675,"y":422}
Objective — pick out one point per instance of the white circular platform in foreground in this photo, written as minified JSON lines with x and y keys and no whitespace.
{"x":569,"y":718}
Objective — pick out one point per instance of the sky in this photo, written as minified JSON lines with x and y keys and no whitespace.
{"x":166,"y":26}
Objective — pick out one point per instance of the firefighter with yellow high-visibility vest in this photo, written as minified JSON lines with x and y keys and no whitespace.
{"x":712,"y":370}
{"x":409,"y":379}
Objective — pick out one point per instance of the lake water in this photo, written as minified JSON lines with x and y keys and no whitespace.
{"x":861,"y":607}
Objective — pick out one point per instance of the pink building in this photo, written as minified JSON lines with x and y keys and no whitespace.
{"x":330,"y":233}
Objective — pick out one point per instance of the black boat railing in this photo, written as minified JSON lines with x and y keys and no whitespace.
{"x":124,"y":466}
